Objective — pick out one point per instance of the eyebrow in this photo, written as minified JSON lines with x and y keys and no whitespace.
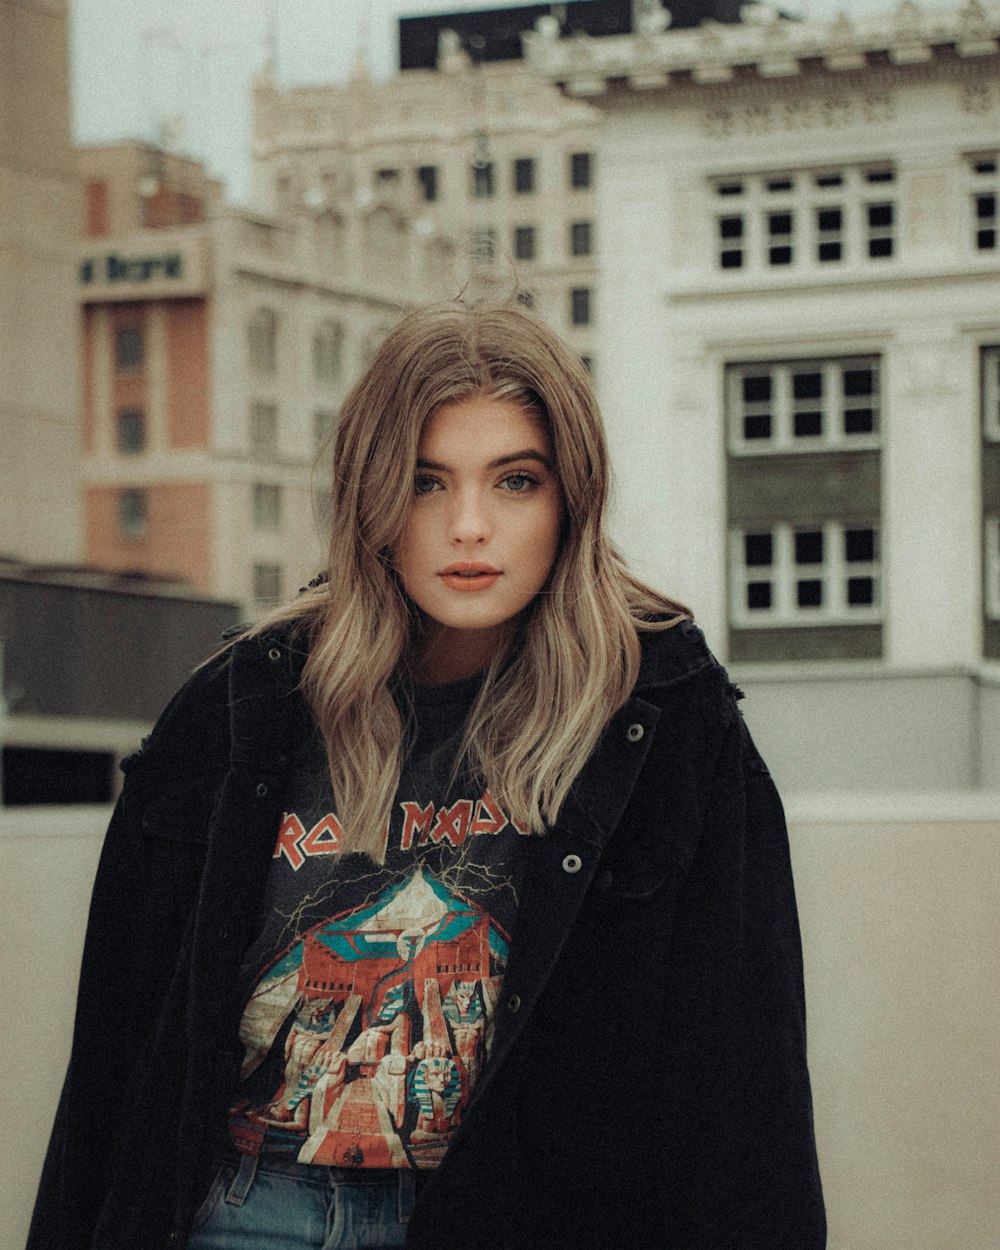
{"x":528,"y":454}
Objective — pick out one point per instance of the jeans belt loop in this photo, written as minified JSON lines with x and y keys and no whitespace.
{"x":238,"y":1190}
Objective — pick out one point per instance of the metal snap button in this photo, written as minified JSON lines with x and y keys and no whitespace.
{"x":514,"y":1004}
{"x":262,"y":790}
{"x":572,"y":863}
{"x":634,"y":732}
{"x":274,"y":655}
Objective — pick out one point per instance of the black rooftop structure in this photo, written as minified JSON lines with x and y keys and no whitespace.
{"x":495,"y":34}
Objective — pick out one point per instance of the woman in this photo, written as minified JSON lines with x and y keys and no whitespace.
{"x":532,"y":978}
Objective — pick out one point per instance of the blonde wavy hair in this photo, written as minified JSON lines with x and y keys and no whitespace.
{"x":575,"y":655}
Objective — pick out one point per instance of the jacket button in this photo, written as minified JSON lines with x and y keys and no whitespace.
{"x":634,"y":732}
{"x":514,"y":1004}
{"x":261,"y":790}
{"x":572,"y":863}
{"x":274,"y":655}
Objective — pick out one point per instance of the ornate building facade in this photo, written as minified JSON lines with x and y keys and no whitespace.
{"x":800,"y":348}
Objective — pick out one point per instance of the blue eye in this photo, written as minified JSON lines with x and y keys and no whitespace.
{"x":519,"y":483}
{"x":423,"y":484}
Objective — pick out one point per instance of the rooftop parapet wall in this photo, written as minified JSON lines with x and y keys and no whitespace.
{"x":764,"y":45}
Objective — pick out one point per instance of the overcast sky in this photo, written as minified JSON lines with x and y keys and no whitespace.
{"x":139,"y":65}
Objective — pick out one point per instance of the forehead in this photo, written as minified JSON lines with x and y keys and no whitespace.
{"x":485,"y":423}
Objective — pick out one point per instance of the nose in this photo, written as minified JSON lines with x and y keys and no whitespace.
{"x":470,"y":522}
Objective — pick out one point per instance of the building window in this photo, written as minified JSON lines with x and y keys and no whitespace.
{"x":266,"y":506}
{"x":991,"y":393}
{"x":524,"y":242}
{"x":483,"y":243}
{"x":98,"y":209}
{"x":524,"y":175}
{"x":579,"y":306}
{"x":263,"y":428}
{"x":262,"y":340}
{"x":991,"y":540}
{"x":427,"y":180}
{"x":803,"y":405}
{"x":826,"y":573}
{"x":580,"y":171}
{"x":131,"y":433}
{"x":482,"y":180}
{"x":132,"y":513}
{"x":581,"y":241}
{"x":327,"y":352}
{"x":984,"y":174}
{"x":793,"y":221}
{"x":526,"y":298}
{"x":130,"y":348}
{"x":324,"y":419}
{"x":268,"y":582}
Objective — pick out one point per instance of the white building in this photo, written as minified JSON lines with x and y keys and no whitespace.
{"x":490,"y":155}
{"x":800,"y":363}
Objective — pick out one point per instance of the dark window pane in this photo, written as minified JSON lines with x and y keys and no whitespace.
{"x":780,"y":184}
{"x":986,"y":206}
{"x":580,"y":238}
{"x":758,"y":595}
{"x":829,"y":218}
{"x":859,"y":382}
{"x":807,"y":385}
{"x":829,"y":251}
{"x":809,"y":594}
{"x":809,"y":547}
{"x":779,"y":223}
{"x":758,"y":549}
{"x":757,"y":427}
{"x":859,"y":421}
{"x":427,"y":176}
{"x":524,"y":175}
{"x":131,"y":431}
{"x":580,"y":306}
{"x":779,"y":256}
{"x":808,"y":424}
{"x":829,"y":180}
{"x":129,"y":348}
{"x":730,"y":188}
{"x":757,"y":389}
{"x":986,"y":240}
{"x":880,"y":175}
{"x":985,"y":167}
{"x":579,"y":170}
{"x":880,"y":215}
{"x":731,"y":227}
{"x":731,"y":260}
{"x":40,"y":775}
{"x":859,"y":545}
{"x":860,"y":591}
{"x":879,"y":247}
{"x":526,"y":299}
{"x":524,"y":242}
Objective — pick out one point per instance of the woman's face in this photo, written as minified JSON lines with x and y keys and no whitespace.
{"x":482,"y":531}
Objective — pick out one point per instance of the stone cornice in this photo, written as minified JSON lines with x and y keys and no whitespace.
{"x":764,"y":46}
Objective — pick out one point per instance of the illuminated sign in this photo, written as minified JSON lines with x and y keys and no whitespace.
{"x":114,"y":268}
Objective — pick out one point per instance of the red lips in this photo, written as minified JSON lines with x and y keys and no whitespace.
{"x":466,"y":576}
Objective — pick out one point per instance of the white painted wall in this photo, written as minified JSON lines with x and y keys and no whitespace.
{"x":898,"y":909}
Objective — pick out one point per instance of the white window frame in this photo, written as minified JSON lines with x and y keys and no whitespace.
{"x":783,"y":573}
{"x":990,"y":365}
{"x":803,"y":194}
{"x":783,"y":407}
{"x":991,"y":570}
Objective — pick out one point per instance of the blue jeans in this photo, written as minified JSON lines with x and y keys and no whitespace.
{"x":274,"y":1205}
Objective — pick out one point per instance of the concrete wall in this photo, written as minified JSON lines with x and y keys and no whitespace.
{"x":898,"y":910}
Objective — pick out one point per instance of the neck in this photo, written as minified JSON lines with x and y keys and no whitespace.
{"x":444,"y":654}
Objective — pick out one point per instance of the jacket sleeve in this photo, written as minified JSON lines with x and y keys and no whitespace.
{"x":741,"y":1165}
{"x":106,"y":1038}
{"x":140,"y":908}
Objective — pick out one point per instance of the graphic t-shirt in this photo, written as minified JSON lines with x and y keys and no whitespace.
{"x":371,"y":989}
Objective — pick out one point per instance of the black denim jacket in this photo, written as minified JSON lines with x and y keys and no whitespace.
{"x":647,"y":1085}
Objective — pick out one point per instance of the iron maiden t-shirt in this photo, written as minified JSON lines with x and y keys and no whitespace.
{"x":371,"y":989}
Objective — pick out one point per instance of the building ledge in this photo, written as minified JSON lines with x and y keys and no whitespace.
{"x":930,"y":808}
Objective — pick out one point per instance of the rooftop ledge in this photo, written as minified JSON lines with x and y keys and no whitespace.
{"x":856,"y":807}
{"x":765,"y":42}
